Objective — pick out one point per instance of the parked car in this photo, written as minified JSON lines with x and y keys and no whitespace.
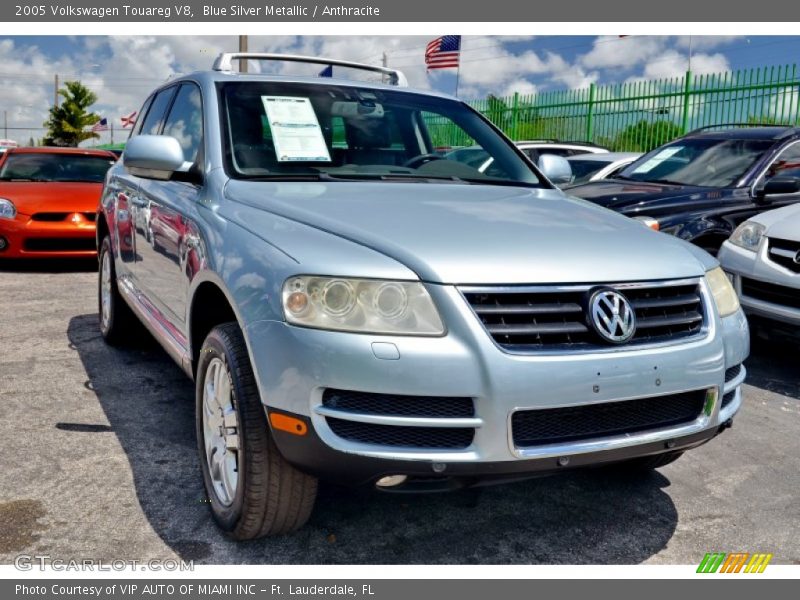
{"x":595,"y":166}
{"x":478,"y":158}
{"x":48,"y":201}
{"x":703,"y":185}
{"x":763,"y":259}
{"x":362,"y":309}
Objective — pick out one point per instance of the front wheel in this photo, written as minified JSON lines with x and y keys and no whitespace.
{"x":252,"y":490}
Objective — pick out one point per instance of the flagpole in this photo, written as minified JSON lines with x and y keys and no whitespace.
{"x":112,"y":133}
{"x":458,"y":73}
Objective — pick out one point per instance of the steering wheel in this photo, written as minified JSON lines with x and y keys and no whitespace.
{"x":421,"y":159}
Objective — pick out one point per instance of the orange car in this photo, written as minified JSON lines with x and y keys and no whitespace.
{"x":48,"y":201}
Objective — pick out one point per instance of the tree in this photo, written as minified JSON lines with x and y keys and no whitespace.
{"x":644,"y":136}
{"x":70,"y":123}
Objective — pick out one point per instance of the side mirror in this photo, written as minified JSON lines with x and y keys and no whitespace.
{"x":780,"y":185}
{"x":556,"y":168}
{"x":154,"y":157}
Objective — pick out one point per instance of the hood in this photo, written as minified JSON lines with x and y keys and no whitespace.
{"x":783,"y":223}
{"x":32,"y":197}
{"x":475,"y":234}
{"x":642,"y":197}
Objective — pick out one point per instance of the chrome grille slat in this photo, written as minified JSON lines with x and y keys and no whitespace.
{"x":783,"y":253}
{"x":687,"y":319}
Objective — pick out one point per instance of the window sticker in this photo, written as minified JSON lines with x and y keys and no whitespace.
{"x":295,"y":129}
{"x":656,"y":160}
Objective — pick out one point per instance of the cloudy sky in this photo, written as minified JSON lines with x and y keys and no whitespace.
{"x":122,"y":70}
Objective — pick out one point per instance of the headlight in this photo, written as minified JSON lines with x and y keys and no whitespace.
{"x":7,"y":209}
{"x":724,"y":295}
{"x":361,"y":305}
{"x":748,"y":235}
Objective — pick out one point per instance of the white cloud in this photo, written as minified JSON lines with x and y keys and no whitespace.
{"x":612,"y":51}
{"x":706,"y":42}
{"x":672,"y":63}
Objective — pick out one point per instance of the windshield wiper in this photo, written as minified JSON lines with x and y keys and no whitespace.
{"x":324,"y":176}
{"x":666,"y":182}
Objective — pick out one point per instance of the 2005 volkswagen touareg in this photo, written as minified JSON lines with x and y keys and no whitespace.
{"x":354,"y":306}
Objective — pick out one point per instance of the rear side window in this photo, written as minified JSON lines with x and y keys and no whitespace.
{"x":155,"y":116}
{"x":185,"y":121}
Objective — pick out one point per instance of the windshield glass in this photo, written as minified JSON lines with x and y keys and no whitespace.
{"x":295,"y":130}
{"x":582,"y":169}
{"x":41,"y":166}
{"x":701,"y":162}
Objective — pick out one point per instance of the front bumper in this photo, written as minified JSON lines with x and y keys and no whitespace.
{"x":294,"y":366}
{"x":73,"y":237}
{"x":756,"y":266}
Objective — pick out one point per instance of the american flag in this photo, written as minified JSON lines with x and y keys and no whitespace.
{"x":129,"y":120}
{"x":443,"y":52}
{"x":101,"y":125}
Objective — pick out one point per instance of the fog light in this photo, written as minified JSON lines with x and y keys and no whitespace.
{"x":391,"y":481}
{"x":3,"y":243}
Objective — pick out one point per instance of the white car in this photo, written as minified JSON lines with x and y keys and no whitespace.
{"x":594,"y":166}
{"x":763,"y":259}
{"x":478,"y":158}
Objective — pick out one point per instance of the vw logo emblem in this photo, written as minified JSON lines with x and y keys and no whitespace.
{"x":611,"y":315}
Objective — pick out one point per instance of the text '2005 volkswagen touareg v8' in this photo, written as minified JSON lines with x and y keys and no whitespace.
{"x":354,"y":306}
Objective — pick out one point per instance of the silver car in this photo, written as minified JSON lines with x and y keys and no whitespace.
{"x":763,"y":258}
{"x":354,"y":306}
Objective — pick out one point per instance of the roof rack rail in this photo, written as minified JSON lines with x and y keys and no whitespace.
{"x":742,"y":125}
{"x":224,"y":63}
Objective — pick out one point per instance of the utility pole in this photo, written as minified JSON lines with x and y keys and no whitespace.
{"x":243,"y":48}
{"x":5,"y":124}
{"x":385,"y":63}
{"x":55,"y":92}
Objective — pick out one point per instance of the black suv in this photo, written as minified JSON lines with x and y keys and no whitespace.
{"x":702,"y":185}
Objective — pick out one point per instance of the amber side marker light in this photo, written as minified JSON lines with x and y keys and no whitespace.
{"x":648,"y":222}
{"x":288,"y":424}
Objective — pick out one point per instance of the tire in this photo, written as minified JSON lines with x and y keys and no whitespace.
{"x":115,"y":318}
{"x":254,"y":491}
{"x":647,"y":463}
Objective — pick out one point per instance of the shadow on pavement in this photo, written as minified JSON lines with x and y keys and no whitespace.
{"x":28,"y":265}
{"x":773,"y":366}
{"x":577,"y":518}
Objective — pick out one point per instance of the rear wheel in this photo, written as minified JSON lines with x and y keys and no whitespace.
{"x":252,"y":490}
{"x":117,"y":321}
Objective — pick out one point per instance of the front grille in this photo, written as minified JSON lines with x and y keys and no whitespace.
{"x":532,"y":320}
{"x":59,"y":244}
{"x":50,"y":217}
{"x":732,"y":373}
{"x":769,"y":292}
{"x":454,"y":438}
{"x":728,"y":398}
{"x":574,"y":423}
{"x":398,"y":406}
{"x":784,"y":253}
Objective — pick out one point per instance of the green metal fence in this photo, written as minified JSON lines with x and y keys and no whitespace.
{"x":641,"y":115}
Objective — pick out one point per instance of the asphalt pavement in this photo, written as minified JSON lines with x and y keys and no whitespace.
{"x":99,"y":461}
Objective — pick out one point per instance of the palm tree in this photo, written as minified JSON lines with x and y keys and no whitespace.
{"x":70,"y":123}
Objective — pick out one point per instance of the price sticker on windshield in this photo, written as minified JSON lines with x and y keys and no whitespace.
{"x":295,"y":129}
{"x":656,"y":160}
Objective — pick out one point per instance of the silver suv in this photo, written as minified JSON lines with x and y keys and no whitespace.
{"x":354,"y":306}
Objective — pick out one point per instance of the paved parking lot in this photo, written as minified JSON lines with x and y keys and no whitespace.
{"x":98,"y":460}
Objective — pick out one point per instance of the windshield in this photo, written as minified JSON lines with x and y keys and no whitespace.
{"x":41,"y":166}
{"x":701,"y":162}
{"x":280,"y":130}
{"x":582,"y":169}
